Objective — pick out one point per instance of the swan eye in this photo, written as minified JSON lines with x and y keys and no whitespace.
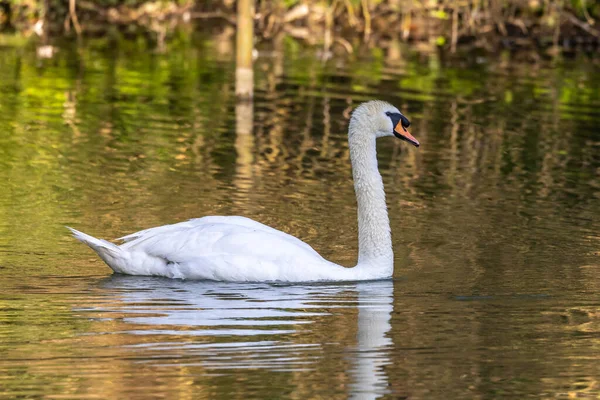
{"x":405,"y":121}
{"x":397,"y":117}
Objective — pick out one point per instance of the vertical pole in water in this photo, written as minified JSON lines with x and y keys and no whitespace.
{"x":244,"y":75}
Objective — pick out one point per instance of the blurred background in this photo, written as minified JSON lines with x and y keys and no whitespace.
{"x":337,"y":25}
{"x":121,"y":115}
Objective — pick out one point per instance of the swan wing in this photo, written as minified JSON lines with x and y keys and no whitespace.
{"x":165,"y":229}
{"x":198,"y":222}
{"x":218,"y":236}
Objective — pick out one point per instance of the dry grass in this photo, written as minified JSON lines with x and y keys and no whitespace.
{"x":338,"y":24}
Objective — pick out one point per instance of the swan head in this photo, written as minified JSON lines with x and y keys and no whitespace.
{"x":380,"y":119}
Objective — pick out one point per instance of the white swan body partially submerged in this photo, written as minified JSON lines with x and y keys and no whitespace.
{"x":240,"y":249}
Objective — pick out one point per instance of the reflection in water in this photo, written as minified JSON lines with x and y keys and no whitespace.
{"x":261,"y":324}
{"x":375,"y":301}
{"x":244,"y":147}
{"x":495,"y":224}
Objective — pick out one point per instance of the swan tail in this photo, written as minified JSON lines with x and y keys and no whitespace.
{"x":115,"y":257}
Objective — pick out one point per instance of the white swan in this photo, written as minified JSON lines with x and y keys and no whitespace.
{"x":240,"y":249}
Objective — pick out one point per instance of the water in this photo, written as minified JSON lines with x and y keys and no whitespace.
{"x":495,"y":224}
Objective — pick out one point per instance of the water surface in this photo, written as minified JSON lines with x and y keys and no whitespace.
{"x":495,"y":225}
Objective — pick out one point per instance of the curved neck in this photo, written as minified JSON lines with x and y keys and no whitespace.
{"x":374,"y":237}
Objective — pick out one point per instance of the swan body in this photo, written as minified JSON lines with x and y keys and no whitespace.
{"x":218,"y":248}
{"x":239,"y":249}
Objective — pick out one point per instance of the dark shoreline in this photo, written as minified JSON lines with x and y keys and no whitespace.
{"x":548,"y":28}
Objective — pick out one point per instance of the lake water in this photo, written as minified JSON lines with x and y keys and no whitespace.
{"x":495,"y":221}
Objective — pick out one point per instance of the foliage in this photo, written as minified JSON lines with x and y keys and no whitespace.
{"x":442,"y":23}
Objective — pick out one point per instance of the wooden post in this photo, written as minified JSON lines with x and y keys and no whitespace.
{"x":244,"y":75}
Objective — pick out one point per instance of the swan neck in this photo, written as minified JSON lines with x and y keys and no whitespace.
{"x":374,"y":237}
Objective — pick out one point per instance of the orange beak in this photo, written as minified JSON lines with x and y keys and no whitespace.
{"x":403,"y":134}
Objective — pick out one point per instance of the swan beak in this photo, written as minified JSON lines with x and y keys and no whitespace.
{"x":401,"y":133}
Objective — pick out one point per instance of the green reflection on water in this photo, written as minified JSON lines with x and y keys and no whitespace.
{"x":495,"y":217}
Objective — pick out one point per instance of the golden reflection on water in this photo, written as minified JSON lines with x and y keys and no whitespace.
{"x":495,"y":224}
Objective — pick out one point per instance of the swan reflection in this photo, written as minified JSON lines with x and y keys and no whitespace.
{"x":223,"y":326}
{"x":374,"y":317}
